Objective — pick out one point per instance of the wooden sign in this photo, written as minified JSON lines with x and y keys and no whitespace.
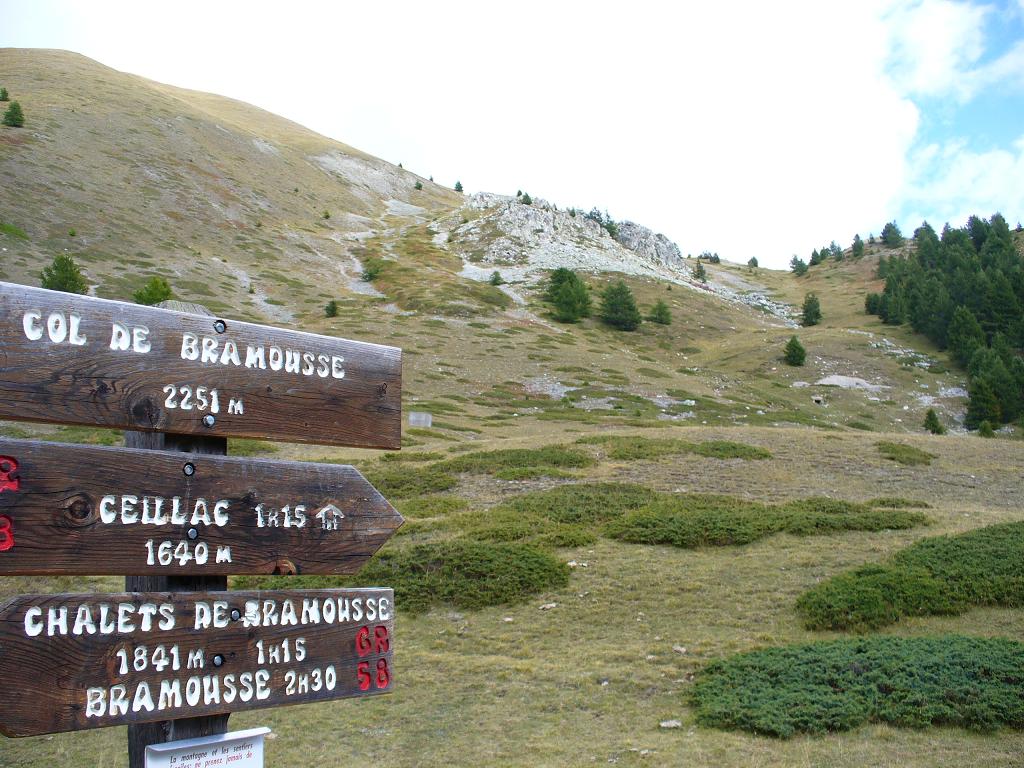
{"x":77,"y":360}
{"x":85,"y":661}
{"x":74,"y":509}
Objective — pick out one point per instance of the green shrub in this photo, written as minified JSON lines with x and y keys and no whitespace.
{"x":13,"y":231}
{"x":372,"y":269}
{"x":937,"y":575}
{"x":464,"y":574}
{"x":697,"y":520}
{"x":794,"y":354}
{"x":985,"y":429}
{"x":811,"y":311}
{"x":660,"y":313}
{"x":331,"y":308}
{"x":724,"y":449}
{"x":4,"y":96}
{"x":496,"y":278}
{"x":64,"y":275}
{"x":905,"y":454}
{"x":14,"y":117}
{"x":932,"y":423}
{"x":489,"y":462}
{"x":618,"y":307}
{"x":834,"y":686}
{"x":404,"y":482}
{"x":418,"y":185}
{"x":586,"y":503}
{"x":155,"y":290}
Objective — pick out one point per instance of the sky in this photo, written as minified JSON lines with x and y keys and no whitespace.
{"x":742,"y":128}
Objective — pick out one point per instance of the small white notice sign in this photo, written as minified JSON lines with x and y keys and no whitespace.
{"x":240,"y":749}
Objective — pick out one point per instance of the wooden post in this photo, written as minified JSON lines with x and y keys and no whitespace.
{"x":139,"y":736}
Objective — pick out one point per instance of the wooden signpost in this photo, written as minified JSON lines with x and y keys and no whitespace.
{"x":82,"y":661}
{"x":72,"y":509}
{"x":77,"y":360}
{"x":173,"y":663}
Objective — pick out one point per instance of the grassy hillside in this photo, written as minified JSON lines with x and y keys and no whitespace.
{"x":227,"y":201}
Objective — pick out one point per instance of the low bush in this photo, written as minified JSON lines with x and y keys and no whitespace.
{"x":905,"y":454}
{"x":697,"y":520}
{"x":490,"y":462}
{"x":567,"y":516}
{"x":724,"y":449}
{"x":973,"y":683}
{"x":464,"y":574}
{"x":405,"y":482}
{"x":937,"y":575}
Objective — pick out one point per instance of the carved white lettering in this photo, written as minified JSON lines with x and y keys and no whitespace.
{"x":30,"y":324}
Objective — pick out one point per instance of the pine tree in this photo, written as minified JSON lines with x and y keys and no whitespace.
{"x":982,"y":406}
{"x":64,"y":275}
{"x":700,"y":273}
{"x":752,"y":263}
{"x":858,"y":247}
{"x":418,"y":185}
{"x":660,"y":313}
{"x":3,"y":95}
{"x":13,"y":117}
{"x":569,"y":295}
{"x":891,"y":235}
{"x":526,"y":199}
{"x":618,"y":307}
{"x":331,"y":308}
{"x":795,"y":353}
{"x":155,"y":290}
{"x":458,"y":186}
{"x":798,"y":265}
{"x":812,"y":311}
{"x":496,"y":278}
{"x":932,"y":423}
{"x":964,"y":335}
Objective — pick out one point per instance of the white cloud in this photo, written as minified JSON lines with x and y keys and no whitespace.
{"x":951,"y":183}
{"x":934,"y":44}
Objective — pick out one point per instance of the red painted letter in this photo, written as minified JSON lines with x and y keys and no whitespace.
{"x":8,"y":470}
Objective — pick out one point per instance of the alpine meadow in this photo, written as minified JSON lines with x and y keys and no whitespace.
{"x":660,"y":509}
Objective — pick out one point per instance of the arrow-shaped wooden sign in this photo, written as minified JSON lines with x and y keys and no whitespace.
{"x":73,"y":359}
{"x":88,"y":661}
{"x":72,"y":509}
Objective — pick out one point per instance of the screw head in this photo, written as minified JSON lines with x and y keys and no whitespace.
{"x":220,"y":326}
{"x":189,"y":469}
{"x":218,"y":660}
{"x":209,"y":420}
{"x":192,"y":534}
{"x":235,"y":614}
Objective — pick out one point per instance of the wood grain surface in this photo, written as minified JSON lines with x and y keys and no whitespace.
{"x":73,"y":359}
{"x":75,"y":509}
{"x":120,"y":667}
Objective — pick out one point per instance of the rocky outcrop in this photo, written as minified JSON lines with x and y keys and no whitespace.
{"x":648,"y":245}
{"x":502,"y":231}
